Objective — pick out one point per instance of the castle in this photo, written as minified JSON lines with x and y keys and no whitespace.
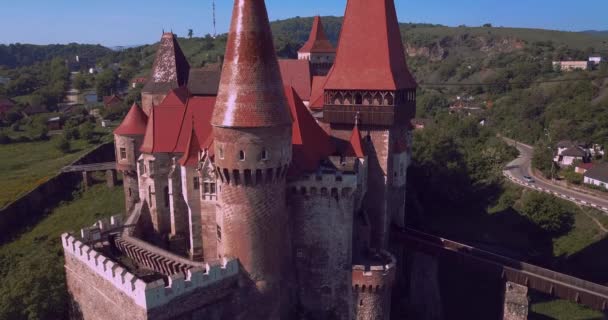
{"x":260,"y":188}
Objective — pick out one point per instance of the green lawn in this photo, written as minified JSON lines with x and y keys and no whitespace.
{"x":23,"y":166}
{"x":31,"y":267}
{"x":561,"y":310}
{"x":584,"y":233}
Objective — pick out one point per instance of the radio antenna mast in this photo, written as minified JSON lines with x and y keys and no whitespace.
{"x":214,"y":25}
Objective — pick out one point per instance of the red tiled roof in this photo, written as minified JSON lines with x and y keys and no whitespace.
{"x":316,"y":95}
{"x":370,"y":53}
{"x":134,"y":123}
{"x":171,"y":122}
{"x":170,"y":69}
{"x":586,"y":166}
{"x":296,"y":73}
{"x":317,"y":42}
{"x":310,"y":142}
{"x":251,"y":91}
{"x":110,"y":101}
{"x":190,"y":157}
{"x":355,"y":148}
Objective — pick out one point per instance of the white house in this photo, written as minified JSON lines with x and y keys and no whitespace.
{"x":598,"y":176}
{"x":569,"y":152}
{"x":595,"y":60}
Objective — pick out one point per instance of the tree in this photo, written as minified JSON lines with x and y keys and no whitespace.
{"x":190,"y":33}
{"x":553,"y":215}
{"x":87,"y":131}
{"x":542,"y":159}
{"x":63,"y":144}
{"x":80,"y":82}
{"x":106,"y":82}
{"x":487,"y":25}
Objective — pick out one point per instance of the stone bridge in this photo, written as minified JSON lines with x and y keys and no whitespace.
{"x":87,"y":169}
{"x":518,"y":276}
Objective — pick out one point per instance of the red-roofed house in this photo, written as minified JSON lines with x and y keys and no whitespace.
{"x":112,"y":101}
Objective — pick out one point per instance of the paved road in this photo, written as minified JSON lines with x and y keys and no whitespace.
{"x":522,"y":166}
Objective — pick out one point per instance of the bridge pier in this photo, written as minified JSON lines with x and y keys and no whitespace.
{"x":516,"y":303}
{"x":86,"y":180}
{"x":111,"y":180}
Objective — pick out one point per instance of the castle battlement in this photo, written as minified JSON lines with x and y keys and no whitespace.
{"x":376,"y":274}
{"x":334,"y":184}
{"x":153,"y":294}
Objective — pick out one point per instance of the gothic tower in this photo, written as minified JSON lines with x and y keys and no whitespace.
{"x":370,"y":77}
{"x":252,"y":131}
{"x":318,"y":50}
{"x":128,"y":138}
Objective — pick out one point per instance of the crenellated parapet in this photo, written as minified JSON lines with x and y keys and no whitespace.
{"x":376,"y":275}
{"x":147,"y":295}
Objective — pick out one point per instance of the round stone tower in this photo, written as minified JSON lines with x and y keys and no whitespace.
{"x":128,"y":138}
{"x":252,"y":132}
{"x":373,"y":278}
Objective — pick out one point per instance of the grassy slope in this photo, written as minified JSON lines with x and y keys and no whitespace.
{"x":31,"y":267}
{"x":572,"y":39}
{"x":23,"y":166}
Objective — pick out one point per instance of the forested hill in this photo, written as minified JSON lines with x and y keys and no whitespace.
{"x":23,"y":55}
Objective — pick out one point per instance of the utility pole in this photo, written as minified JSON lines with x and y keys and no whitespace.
{"x":548,"y":134}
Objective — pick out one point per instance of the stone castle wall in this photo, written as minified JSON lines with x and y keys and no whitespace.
{"x":92,"y":278}
{"x":32,"y":205}
{"x":322,"y":209}
{"x":148,"y":100}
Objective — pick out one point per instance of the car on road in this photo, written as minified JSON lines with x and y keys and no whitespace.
{"x":529,"y":179}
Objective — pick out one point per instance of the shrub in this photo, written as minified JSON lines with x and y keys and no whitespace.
{"x":4,"y":139}
{"x":87,"y":131}
{"x":63,"y":144}
{"x":553,"y":215}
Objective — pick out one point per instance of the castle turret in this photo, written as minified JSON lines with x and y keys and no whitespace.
{"x":128,"y":138}
{"x":318,"y":49}
{"x":170,"y":70}
{"x":370,"y":78}
{"x":252,"y":140}
{"x":373,"y":279}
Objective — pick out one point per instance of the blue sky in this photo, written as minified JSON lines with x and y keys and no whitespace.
{"x":132,"y":22}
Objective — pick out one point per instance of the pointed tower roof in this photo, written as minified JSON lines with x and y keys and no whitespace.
{"x":317,"y":41}
{"x":190,"y":157}
{"x":171,"y":68}
{"x":134,"y":123}
{"x":251,"y":90}
{"x":370,"y":54}
{"x":148,"y":144}
{"x":355,"y":148}
{"x":310,"y":142}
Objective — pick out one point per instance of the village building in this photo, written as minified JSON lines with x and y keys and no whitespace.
{"x":582,"y":168}
{"x":569,"y":153}
{"x":112,"y":101}
{"x":568,"y":66}
{"x":598,"y":176}
{"x":242,"y":202}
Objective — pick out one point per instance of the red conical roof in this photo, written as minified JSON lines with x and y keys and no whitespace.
{"x":310,"y":142}
{"x":317,"y":42}
{"x":355,"y":148}
{"x":171,"y":68}
{"x":148,"y":144}
{"x":190,"y":157}
{"x":251,"y":90}
{"x":370,"y":54}
{"x":134,"y":123}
